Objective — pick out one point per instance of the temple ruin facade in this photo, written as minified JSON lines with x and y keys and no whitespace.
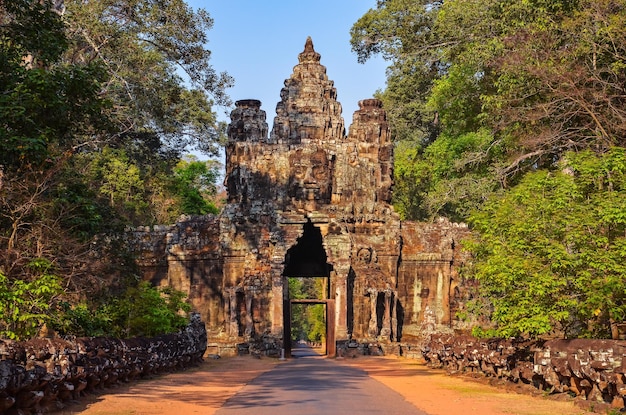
{"x":305,"y":199}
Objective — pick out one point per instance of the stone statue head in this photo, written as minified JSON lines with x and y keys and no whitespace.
{"x":310,"y":176}
{"x":364,"y":256}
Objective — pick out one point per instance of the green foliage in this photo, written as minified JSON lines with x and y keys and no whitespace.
{"x":448,"y":178}
{"x":411,"y":174}
{"x":494,"y":106}
{"x":193,"y":183}
{"x":537,"y":78}
{"x":157,"y":193}
{"x":148,"y":311}
{"x":142,"y":310}
{"x":24,"y":305}
{"x":120,"y":181}
{"x":158,"y":71}
{"x":46,"y":107}
{"x":551,"y":251}
{"x":99,"y":100}
{"x":316,"y":314}
{"x":308,"y":321}
{"x":49,"y":110}
{"x":456,"y":98}
{"x":18,"y":40}
{"x":79,"y":209}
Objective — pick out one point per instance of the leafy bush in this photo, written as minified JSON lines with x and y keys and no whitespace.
{"x":24,"y":305}
{"x":142,"y":310}
{"x":80,"y":320}
{"x":551,"y":252}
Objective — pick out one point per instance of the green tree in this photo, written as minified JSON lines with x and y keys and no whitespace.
{"x":401,"y":31}
{"x":308,"y":321}
{"x":427,"y":97}
{"x":158,"y":72}
{"x":141,"y":310}
{"x":46,"y":107}
{"x":147,"y":311}
{"x":116,"y":178}
{"x":194,"y":186}
{"x":25,"y":305}
{"x":99,"y":99}
{"x":534,"y":79}
{"x":550,"y":253}
{"x":48,"y":111}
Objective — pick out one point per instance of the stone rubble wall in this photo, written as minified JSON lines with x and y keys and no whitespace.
{"x":594,"y":370}
{"x":39,"y":375}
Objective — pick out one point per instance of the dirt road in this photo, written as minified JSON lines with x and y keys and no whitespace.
{"x":203,"y":390}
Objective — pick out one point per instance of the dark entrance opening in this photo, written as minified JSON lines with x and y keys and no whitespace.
{"x":306,"y":264}
{"x":307,"y":258}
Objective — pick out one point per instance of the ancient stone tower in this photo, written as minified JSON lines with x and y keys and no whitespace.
{"x":307,"y":200}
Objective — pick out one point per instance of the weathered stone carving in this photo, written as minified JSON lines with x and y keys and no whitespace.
{"x":39,"y":375}
{"x":308,"y":201}
{"x":594,"y":370}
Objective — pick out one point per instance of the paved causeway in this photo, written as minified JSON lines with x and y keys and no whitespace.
{"x":310,"y":384}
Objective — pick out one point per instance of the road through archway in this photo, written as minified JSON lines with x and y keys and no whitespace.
{"x":312,"y":385}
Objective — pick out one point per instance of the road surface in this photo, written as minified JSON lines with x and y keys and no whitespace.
{"x":310,"y":384}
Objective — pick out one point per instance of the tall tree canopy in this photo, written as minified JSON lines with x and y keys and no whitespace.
{"x":158,"y":71}
{"x":512,"y":115}
{"x":551,"y":252}
{"x":99,"y":101}
{"x":503,"y":87}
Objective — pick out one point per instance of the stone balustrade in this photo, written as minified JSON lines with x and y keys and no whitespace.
{"x":41,"y":374}
{"x":594,"y":370}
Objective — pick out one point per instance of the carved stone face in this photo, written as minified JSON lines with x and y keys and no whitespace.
{"x":364,"y":256}
{"x":310,"y":175}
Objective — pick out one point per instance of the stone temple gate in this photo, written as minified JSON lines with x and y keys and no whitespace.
{"x":308,"y":200}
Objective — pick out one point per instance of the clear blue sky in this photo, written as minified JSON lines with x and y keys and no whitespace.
{"x":258,"y":42}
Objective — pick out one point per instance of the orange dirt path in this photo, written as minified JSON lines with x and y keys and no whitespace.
{"x":204,"y":389}
{"x":440,"y":394}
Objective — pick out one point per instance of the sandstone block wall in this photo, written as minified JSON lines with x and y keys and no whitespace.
{"x":428,"y":278}
{"x":187,"y":257}
{"x":40,"y":374}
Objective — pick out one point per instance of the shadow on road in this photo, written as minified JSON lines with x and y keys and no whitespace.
{"x":312,"y":384}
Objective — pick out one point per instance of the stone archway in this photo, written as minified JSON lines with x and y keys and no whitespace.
{"x":307,"y":259}
{"x":233,"y":266}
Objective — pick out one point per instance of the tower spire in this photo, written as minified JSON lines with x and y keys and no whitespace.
{"x":309,"y":54}
{"x":308,"y":108}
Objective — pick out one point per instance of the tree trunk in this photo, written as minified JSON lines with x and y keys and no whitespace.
{"x":614,"y":329}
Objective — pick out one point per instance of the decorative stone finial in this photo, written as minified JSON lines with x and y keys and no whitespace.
{"x":309,"y":54}
{"x":248,"y":103}
{"x":247,"y":122}
{"x":370,"y":103}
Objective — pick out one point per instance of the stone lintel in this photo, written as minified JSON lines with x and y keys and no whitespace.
{"x":425,"y":256}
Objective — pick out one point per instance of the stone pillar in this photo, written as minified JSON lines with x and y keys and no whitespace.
{"x":385,"y":332}
{"x":279,"y":291}
{"x":394,"y":319}
{"x":233,"y":326}
{"x":249,"y":331}
{"x":341,"y":301}
{"x":372,"y":329}
{"x":338,"y":248}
